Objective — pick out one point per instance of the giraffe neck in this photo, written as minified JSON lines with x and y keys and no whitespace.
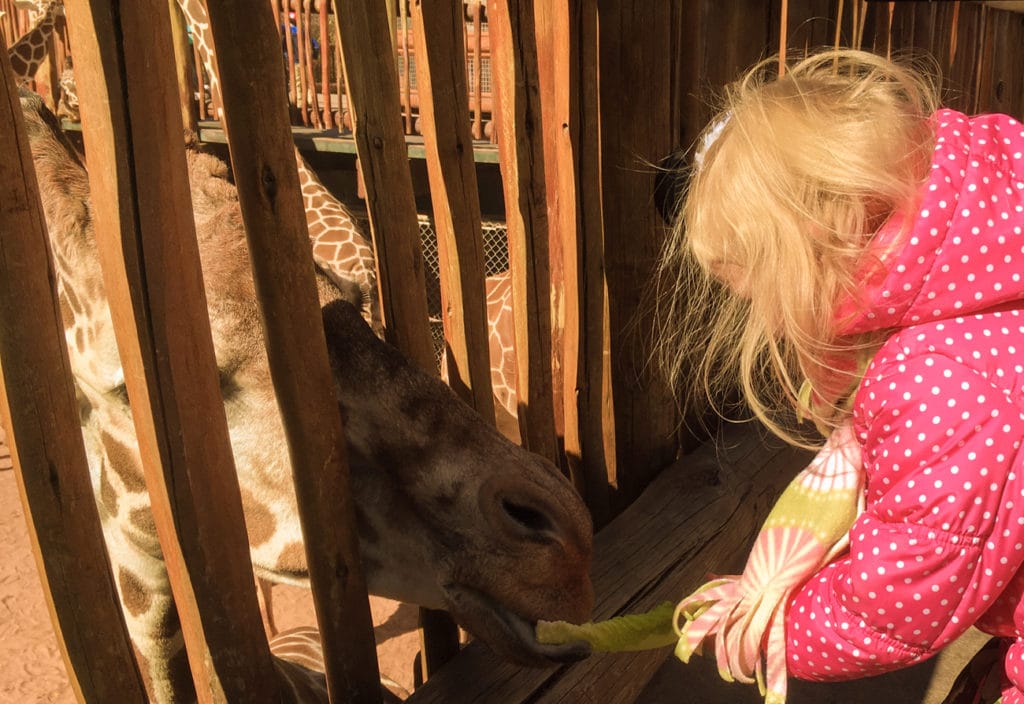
{"x":339,"y":245}
{"x":29,"y":52}
{"x":197,"y":17}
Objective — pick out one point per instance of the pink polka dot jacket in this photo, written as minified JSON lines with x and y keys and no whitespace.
{"x":939,"y":416}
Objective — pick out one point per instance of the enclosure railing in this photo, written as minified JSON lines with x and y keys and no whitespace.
{"x":312,"y":64}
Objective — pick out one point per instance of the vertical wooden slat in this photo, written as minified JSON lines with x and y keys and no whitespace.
{"x":260,"y":142}
{"x":314,"y":98}
{"x":634,"y":133}
{"x":339,"y":72}
{"x":140,"y":194}
{"x":403,"y":6}
{"x":518,"y":121}
{"x":290,"y":51}
{"x":478,"y":71}
{"x":549,"y":18}
{"x":441,"y":81}
{"x":179,"y":37}
{"x":325,"y":66}
{"x":41,"y":415}
{"x":571,"y":128}
{"x":1005,"y":89}
{"x":595,"y":401}
{"x":443,"y":94}
{"x":303,"y":60}
{"x":384,"y":165}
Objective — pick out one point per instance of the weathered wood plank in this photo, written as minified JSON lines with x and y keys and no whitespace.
{"x":367,"y":51}
{"x":593,"y":377}
{"x":183,"y":66}
{"x":262,"y":157}
{"x":37,"y":401}
{"x":638,"y":129}
{"x":441,"y":81}
{"x":153,"y":281}
{"x":698,"y":516}
{"x":514,"y":74}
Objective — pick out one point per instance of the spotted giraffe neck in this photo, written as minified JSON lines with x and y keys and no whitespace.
{"x":339,"y":245}
{"x":29,"y":52}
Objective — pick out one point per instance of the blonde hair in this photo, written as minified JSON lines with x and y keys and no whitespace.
{"x":801,"y":173}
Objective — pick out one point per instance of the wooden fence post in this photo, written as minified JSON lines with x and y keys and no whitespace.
{"x":152,"y":278}
{"x":639,"y":126}
{"x":514,"y":73}
{"x":441,"y":77}
{"x":45,"y":439}
{"x":263,"y":162}
{"x":366,"y":49}
{"x":439,"y":29}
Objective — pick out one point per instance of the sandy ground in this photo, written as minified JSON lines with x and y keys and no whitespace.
{"x":31,"y":668}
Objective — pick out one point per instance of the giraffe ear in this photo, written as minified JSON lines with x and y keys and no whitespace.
{"x":670,"y":181}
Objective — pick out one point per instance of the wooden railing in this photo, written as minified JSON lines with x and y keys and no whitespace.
{"x":316,"y":83}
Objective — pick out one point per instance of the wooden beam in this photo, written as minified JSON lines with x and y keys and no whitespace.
{"x":153,"y":281}
{"x":263,"y":161}
{"x":37,"y":401}
{"x":367,"y":51}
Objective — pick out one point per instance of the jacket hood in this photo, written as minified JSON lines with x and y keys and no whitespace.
{"x":963,"y":251}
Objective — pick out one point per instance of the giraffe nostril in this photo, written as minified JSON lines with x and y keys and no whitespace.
{"x":529,"y":519}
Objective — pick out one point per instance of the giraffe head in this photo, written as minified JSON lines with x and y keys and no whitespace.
{"x":451,"y":515}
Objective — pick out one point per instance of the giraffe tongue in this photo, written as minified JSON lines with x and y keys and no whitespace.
{"x":507,"y":633}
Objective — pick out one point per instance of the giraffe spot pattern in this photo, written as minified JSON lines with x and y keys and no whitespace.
{"x":124,"y":462}
{"x":142,"y":518}
{"x":134,"y":595}
{"x":292,"y":560}
{"x":108,"y":496}
{"x":259,"y":520}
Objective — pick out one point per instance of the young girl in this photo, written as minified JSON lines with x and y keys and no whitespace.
{"x":868,"y":252}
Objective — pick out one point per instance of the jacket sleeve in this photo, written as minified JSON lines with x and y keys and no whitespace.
{"x":943,"y":533}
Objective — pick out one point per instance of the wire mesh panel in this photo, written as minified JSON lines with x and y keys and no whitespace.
{"x":495,"y":257}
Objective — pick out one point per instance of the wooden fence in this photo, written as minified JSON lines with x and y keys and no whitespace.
{"x":316,"y":84}
{"x":589,"y":96}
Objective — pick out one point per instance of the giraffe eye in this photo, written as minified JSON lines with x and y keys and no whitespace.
{"x":229,"y":388}
{"x":120,"y":392}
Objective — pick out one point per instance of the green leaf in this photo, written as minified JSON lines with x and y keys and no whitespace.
{"x":653,"y":629}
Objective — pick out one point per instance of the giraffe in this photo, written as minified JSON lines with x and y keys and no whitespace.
{"x":501,"y":340}
{"x":450,"y":514}
{"x":339,"y":245}
{"x":26,"y":56}
{"x":500,"y":343}
{"x":28,"y":53}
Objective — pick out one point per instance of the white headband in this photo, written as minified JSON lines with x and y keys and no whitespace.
{"x":710,"y":137}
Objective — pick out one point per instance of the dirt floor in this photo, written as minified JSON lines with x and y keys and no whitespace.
{"x":31,"y":668}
